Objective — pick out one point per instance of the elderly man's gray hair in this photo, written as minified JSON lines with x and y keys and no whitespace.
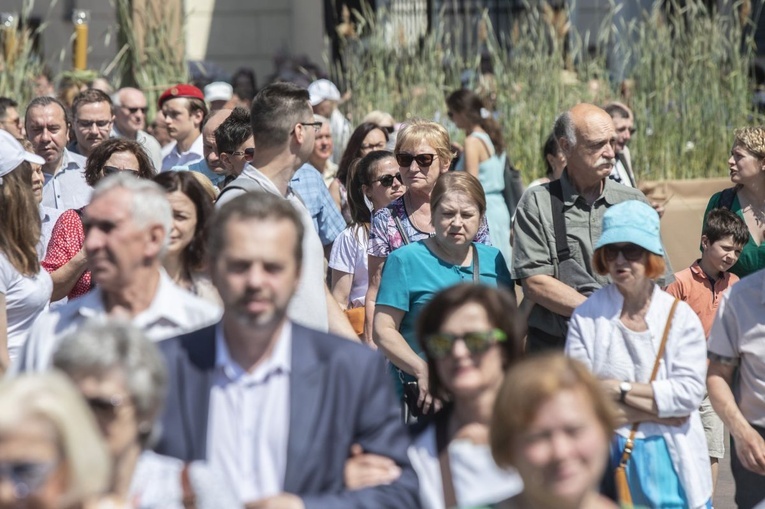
{"x":101,"y":347}
{"x":150,"y":205}
{"x":564,"y":128}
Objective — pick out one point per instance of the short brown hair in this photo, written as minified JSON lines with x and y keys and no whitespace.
{"x":104,"y":150}
{"x":531,"y":383}
{"x":91,"y":96}
{"x":500,"y":309}
{"x":458,"y":182}
{"x":654,"y":264}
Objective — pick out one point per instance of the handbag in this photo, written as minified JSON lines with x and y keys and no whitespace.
{"x":356,"y":316}
{"x":623,"y":495}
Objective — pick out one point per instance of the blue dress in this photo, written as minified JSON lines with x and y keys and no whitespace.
{"x":491,"y":174}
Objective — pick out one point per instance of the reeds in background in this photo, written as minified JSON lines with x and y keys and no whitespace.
{"x":688,"y":69}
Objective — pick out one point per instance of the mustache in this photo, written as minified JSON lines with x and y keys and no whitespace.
{"x":606,"y":160}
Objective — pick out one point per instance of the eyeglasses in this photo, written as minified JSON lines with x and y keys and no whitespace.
{"x":376,"y":146}
{"x":631,"y":252}
{"x":248,"y":153}
{"x":87,"y":124}
{"x":110,"y":170}
{"x":387,"y":180}
{"x":316,"y":126}
{"x":105,"y":405}
{"x":440,"y":345}
{"x":26,"y":477}
{"x":11,"y":121}
{"x":133,"y":111}
{"x":423,"y":160}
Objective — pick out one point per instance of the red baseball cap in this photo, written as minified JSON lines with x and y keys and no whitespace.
{"x":180,"y":91}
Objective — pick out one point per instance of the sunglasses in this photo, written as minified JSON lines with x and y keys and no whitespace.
{"x":440,"y":345}
{"x":110,"y":170}
{"x":387,"y":180}
{"x":423,"y":160}
{"x":388,"y":128}
{"x":133,"y":111}
{"x":26,"y":477}
{"x":631,"y":252}
{"x":248,"y":153}
{"x":105,"y":405}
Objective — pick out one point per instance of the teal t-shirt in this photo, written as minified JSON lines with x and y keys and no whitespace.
{"x":752,"y":256}
{"x":412,"y":275}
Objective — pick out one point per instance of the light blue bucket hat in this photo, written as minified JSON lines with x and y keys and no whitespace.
{"x":632,"y":221}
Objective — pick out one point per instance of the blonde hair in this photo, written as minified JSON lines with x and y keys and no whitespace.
{"x":531,"y":383}
{"x":752,"y":139}
{"x":206,"y":184}
{"x":53,"y":398}
{"x":379,"y":117}
{"x":417,"y":130}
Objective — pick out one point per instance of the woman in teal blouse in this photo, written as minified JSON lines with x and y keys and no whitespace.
{"x":414,"y":273}
{"x":747,"y":198}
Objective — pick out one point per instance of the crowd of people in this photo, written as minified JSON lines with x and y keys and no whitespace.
{"x":258,"y":305}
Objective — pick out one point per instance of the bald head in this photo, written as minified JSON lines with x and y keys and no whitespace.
{"x":586,"y":136}
{"x":129,"y":111}
{"x":213,"y":121}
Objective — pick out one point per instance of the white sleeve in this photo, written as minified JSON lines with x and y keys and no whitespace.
{"x":343,"y":256}
{"x":7,"y":273}
{"x":683,"y":389}
{"x":579,"y":329}
{"x":723,"y":338}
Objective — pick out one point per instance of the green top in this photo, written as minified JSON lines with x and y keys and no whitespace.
{"x":752,"y":256}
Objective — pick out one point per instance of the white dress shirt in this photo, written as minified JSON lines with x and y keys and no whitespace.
{"x":67,"y":189}
{"x":308,"y":306}
{"x":48,"y":218}
{"x":173,"y":311}
{"x":194,"y":154}
{"x":248,"y":423}
{"x":148,"y":142}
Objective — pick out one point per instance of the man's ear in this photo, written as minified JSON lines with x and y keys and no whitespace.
{"x":225,"y":161}
{"x":156,"y":240}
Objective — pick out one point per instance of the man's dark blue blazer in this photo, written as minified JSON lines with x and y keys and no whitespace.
{"x":340,"y":394}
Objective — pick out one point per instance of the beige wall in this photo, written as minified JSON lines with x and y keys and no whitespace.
{"x":235,"y":33}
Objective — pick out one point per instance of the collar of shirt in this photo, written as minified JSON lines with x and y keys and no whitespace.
{"x":280,"y":360}
{"x":163,"y":305}
{"x":570,"y":194}
{"x":69,"y":161}
{"x":264,"y":181}
{"x":700,"y":274}
{"x":196,"y":148}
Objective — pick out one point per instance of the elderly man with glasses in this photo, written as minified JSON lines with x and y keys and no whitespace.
{"x":130,"y":109}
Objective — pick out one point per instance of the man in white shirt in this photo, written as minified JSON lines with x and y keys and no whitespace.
{"x":130,"y":122}
{"x":127,"y":226}
{"x":183,"y":108}
{"x":47,"y":124}
{"x":283,"y":128}
{"x":272,"y":405}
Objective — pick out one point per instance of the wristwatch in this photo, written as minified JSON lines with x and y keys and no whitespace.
{"x":624,"y":388}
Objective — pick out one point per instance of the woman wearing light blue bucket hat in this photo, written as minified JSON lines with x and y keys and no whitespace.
{"x":649,"y":351}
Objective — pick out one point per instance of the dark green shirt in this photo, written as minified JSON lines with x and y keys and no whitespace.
{"x":752,"y":256}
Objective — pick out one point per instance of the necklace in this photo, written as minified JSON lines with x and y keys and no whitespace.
{"x":408,"y":206}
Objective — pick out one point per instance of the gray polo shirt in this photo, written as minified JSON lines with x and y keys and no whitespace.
{"x":738,"y":337}
{"x":534,"y":250}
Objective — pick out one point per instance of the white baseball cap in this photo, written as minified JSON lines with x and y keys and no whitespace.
{"x":12,"y":154}
{"x":321,"y":90}
{"x":218,"y":91}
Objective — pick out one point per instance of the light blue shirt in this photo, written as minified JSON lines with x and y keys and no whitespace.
{"x":193,"y":155}
{"x":249,"y":419}
{"x":67,"y":188}
{"x":201,"y":167}
{"x":308,"y":183}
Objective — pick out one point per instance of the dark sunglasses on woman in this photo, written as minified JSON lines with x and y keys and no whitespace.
{"x":423,"y":160}
{"x":631,"y":252}
{"x":440,"y":344}
{"x":387,"y":180}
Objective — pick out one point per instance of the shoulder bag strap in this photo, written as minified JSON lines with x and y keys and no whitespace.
{"x":476,"y":265}
{"x":400,"y":228}
{"x":189,"y":499}
{"x":660,"y":355}
{"x":559,"y":221}
{"x":442,"y":448}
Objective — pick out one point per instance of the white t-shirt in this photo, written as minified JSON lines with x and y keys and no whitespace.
{"x":25,"y":298}
{"x":349,"y":255}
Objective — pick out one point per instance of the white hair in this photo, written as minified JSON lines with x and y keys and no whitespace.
{"x":319,"y":118}
{"x":150,"y":205}
{"x":564,"y":128}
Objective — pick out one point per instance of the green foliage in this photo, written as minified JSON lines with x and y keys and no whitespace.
{"x":690,"y":69}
